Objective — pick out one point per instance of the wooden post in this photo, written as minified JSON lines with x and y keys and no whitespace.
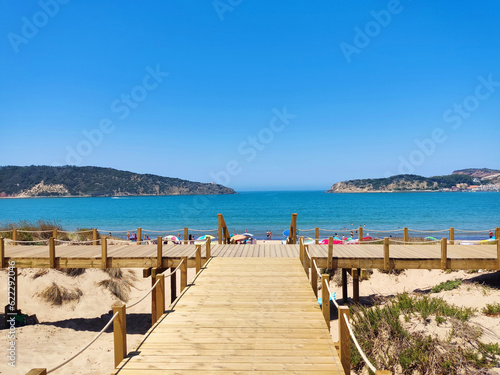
{"x":184,"y":268}
{"x":120,"y":333}
{"x":316,"y":236}
{"x":2,"y":252}
{"x":219,"y":217}
{"x":198,"y":258}
{"x":452,"y":236}
{"x":14,"y":237}
{"x":301,"y":250}
{"x":159,"y":251}
{"x":497,"y":233}
{"x":344,"y":340}
{"x":314,"y":277}
{"x":329,"y":260}
{"x":160,"y":296}
{"x":405,"y":235}
{"x":325,"y":299}
{"x":104,"y":252}
{"x":293,"y":229}
{"x":154,"y":317}
{"x":37,"y":371}
{"x":94,"y":235}
{"x":173,"y":286}
{"x":355,"y":284}
{"x":444,"y":253}
{"x":54,"y":233}
{"x":498,"y":253}
{"x":307,"y":260}
{"x":52,"y":252}
{"x":344,"y":286}
{"x":360,"y":234}
{"x":208,"y":250}
{"x":139,"y":236}
{"x":386,"y":254}
{"x":186,"y":235}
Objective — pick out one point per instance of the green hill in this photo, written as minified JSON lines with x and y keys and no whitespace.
{"x":36,"y":181}
{"x":403,"y":182}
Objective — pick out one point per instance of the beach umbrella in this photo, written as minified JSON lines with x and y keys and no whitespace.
{"x":171,"y":238}
{"x":352,"y":242}
{"x":335,"y":242}
{"x":368,"y":238}
{"x":286,"y":233}
{"x":431,"y":238}
{"x":248,"y":234}
{"x":204,"y":237}
{"x":336,"y":238}
{"x":238,"y":237}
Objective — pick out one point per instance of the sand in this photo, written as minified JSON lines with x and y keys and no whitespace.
{"x":63,"y":330}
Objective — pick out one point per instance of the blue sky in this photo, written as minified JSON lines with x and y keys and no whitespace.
{"x":257,"y":95}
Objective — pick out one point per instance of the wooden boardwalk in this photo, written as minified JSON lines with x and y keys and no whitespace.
{"x":240,"y":316}
{"x":344,"y":256}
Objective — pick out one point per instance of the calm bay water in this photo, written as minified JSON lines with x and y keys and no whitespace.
{"x":261,"y":211}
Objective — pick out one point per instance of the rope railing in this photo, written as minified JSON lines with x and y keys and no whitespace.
{"x":360,"y":351}
{"x":414,"y":242}
{"x":203,"y":230}
{"x":145,"y":295}
{"x":428,"y":231}
{"x":72,"y":241}
{"x":330,"y":294}
{"x":306,"y":230}
{"x":8,"y":240}
{"x":163,"y":231}
{"x":75,"y":231}
{"x":34,"y":231}
{"x":85,"y":347}
{"x":383,"y":231}
{"x":116,"y":231}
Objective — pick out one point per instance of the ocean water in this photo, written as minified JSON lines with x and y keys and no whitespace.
{"x":261,"y":211}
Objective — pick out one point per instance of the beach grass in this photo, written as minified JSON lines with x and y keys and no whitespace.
{"x":393,"y":337}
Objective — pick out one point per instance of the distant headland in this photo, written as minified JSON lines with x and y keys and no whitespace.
{"x":472,"y":179}
{"x":71,"y":181}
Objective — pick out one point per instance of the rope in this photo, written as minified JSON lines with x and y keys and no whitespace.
{"x":368,"y":363}
{"x":203,"y":230}
{"x":72,"y":241}
{"x":86,"y":346}
{"x":116,"y":231}
{"x":474,"y":231}
{"x":306,"y":230}
{"x":163,"y":231}
{"x":157,"y":281}
{"x":17,"y":241}
{"x":34,"y":231}
{"x":147,"y":294}
{"x":78,"y":231}
{"x":428,"y":231}
{"x":329,"y":294}
{"x":316,"y":266}
{"x":414,"y":243}
{"x":367,"y":241}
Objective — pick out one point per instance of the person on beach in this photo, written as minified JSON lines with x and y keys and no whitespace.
{"x":270,"y":235}
{"x":267,"y":234}
{"x":491,"y":234}
{"x":128,"y":236}
{"x":135,"y":237}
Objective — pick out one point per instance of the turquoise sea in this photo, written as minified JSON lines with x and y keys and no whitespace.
{"x":261,"y":211}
